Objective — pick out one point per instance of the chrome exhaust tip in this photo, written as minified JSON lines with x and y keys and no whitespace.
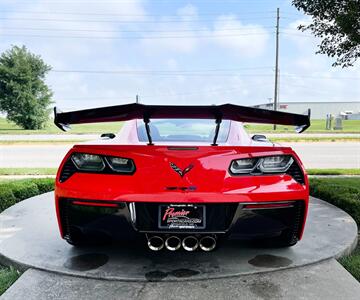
{"x":155,"y":243}
{"x":190,"y":243}
{"x":173,"y":243}
{"x":207,"y":243}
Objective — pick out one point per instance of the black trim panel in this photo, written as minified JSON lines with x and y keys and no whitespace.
{"x":229,"y":220}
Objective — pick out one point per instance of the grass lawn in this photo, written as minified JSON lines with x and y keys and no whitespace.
{"x":43,"y":142}
{"x":352,"y":263}
{"x":10,"y":128}
{"x":7,"y":277}
{"x":328,"y":171}
{"x":28,"y":171}
{"x":316,"y":126}
{"x":344,"y":193}
{"x":304,"y":138}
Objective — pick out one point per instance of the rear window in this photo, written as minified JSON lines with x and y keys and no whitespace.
{"x":187,"y":130}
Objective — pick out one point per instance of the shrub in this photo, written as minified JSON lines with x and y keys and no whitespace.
{"x":45,"y":185}
{"x":343,"y":193}
{"x":24,"y":190}
{"x":7,"y":198}
{"x":12,"y":192}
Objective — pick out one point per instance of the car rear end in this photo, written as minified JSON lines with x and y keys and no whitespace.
{"x":181,"y":196}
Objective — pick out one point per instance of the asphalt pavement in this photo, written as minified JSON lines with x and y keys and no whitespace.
{"x":313,"y":155}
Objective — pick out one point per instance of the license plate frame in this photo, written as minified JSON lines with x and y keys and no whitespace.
{"x":182,"y":216}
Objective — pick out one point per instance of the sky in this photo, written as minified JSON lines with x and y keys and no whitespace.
{"x":105,"y":52}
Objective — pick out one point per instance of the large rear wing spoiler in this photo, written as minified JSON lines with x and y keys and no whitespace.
{"x":146,"y":112}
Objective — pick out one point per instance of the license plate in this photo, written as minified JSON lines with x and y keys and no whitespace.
{"x":182,"y":216}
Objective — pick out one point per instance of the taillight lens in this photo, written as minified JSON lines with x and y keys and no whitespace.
{"x":259,"y":165}
{"x":275,"y":164}
{"x":88,"y":162}
{"x":121,"y":165}
{"x":243,"y":166}
{"x":106,"y":164}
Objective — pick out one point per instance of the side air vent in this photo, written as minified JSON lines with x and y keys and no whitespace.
{"x":299,"y":216}
{"x":295,"y":172}
{"x":67,"y":170}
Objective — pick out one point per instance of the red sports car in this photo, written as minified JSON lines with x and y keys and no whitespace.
{"x":181,"y":177}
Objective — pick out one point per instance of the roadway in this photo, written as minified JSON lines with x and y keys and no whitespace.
{"x":313,"y":155}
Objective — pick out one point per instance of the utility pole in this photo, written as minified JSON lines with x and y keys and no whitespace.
{"x":276,"y":62}
{"x":137,"y":99}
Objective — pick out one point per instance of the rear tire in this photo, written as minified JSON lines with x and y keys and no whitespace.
{"x":76,"y":238}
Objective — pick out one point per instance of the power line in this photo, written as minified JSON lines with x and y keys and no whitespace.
{"x":298,"y":34}
{"x":126,"y":21}
{"x":132,"y":31}
{"x":202,"y":72}
{"x":162,"y":74}
{"x":131,"y":1}
{"x":320,"y":77}
{"x":160,"y":71}
{"x":137,"y":15}
{"x":132,"y":37}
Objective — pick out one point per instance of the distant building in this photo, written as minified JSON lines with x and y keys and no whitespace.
{"x":319,"y":110}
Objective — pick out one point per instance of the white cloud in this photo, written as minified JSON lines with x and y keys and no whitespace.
{"x":188,"y":12}
{"x":310,"y":77}
{"x":189,"y":49}
{"x":249,"y":40}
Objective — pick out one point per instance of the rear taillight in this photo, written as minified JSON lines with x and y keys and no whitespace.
{"x":94,"y":163}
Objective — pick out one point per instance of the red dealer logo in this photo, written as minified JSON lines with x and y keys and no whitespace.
{"x":170,"y":213}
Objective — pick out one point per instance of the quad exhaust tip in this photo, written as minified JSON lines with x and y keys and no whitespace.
{"x":207,"y":243}
{"x":190,"y":243}
{"x":155,"y":243}
{"x":173,"y":243}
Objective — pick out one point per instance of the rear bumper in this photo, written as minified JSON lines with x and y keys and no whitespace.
{"x":123,"y":220}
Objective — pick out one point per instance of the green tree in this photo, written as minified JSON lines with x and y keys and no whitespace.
{"x":337,"y":22}
{"x":24,"y":96}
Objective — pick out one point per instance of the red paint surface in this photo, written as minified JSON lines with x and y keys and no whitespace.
{"x":154,"y":175}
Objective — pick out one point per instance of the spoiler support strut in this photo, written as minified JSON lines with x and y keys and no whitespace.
{"x":217,"y":129}
{"x":148,"y":132}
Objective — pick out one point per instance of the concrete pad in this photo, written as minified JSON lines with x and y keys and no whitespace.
{"x":325,"y":280}
{"x":29,"y":237}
